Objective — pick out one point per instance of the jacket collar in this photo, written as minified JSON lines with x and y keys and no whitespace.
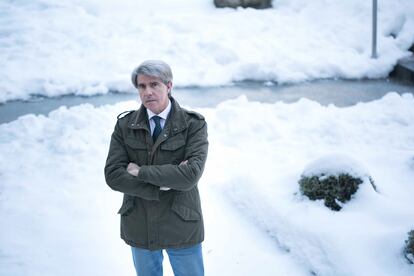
{"x":176,"y":121}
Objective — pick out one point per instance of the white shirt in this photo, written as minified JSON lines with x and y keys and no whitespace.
{"x":163,"y":115}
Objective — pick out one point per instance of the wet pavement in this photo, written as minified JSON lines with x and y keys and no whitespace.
{"x":341,"y":93}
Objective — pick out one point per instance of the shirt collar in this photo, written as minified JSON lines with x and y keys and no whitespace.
{"x":163,"y":114}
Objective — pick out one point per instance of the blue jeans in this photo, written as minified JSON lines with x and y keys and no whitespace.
{"x":184,"y":261}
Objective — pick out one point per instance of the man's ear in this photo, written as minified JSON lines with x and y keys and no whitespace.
{"x":169,"y":86}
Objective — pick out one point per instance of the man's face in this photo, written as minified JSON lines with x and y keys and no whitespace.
{"x":153,"y":93}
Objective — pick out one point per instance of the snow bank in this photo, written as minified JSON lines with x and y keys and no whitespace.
{"x":58,"y":216}
{"x":90,"y":47}
{"x":335,"y":165}
{"x":260,"y":150}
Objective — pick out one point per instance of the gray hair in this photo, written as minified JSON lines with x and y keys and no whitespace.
{"x":153,"y":68}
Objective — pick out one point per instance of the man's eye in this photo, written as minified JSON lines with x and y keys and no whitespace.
{"x":141,"y":86}
{"x":154,"y":84}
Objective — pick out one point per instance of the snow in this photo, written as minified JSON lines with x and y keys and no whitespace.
{"x":90,"y":47}
{"x":59,"y":217}
{"x":335,"y":165}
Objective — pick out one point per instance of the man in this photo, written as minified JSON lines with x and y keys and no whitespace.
{"x":156,"y":157}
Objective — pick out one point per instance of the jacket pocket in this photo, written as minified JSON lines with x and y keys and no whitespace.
{"x":135,"y":143}
{"x":126,"y":208}
{"x":171,"y":145}
{"x":137,"y":150}
{"x":181,"y":207}
{"x":186,"y":213}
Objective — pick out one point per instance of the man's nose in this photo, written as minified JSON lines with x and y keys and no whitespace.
{"x":148,"y":91}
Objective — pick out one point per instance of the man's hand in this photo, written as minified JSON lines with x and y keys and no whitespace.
{"x":166,"y":188}
{"x":133,"y":169}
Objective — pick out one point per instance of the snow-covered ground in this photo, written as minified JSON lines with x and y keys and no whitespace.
{"x":89,"y":47}
{"x":58,"y":217}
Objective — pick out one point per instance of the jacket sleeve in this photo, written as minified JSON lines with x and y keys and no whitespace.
{"x":181,"y":177}
{"x":116,"y":175}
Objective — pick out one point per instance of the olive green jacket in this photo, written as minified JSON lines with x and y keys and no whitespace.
{"x":151,"y":218}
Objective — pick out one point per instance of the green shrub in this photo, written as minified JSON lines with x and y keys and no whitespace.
{"x":409,"y":247}
{"x":330,"y":188}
